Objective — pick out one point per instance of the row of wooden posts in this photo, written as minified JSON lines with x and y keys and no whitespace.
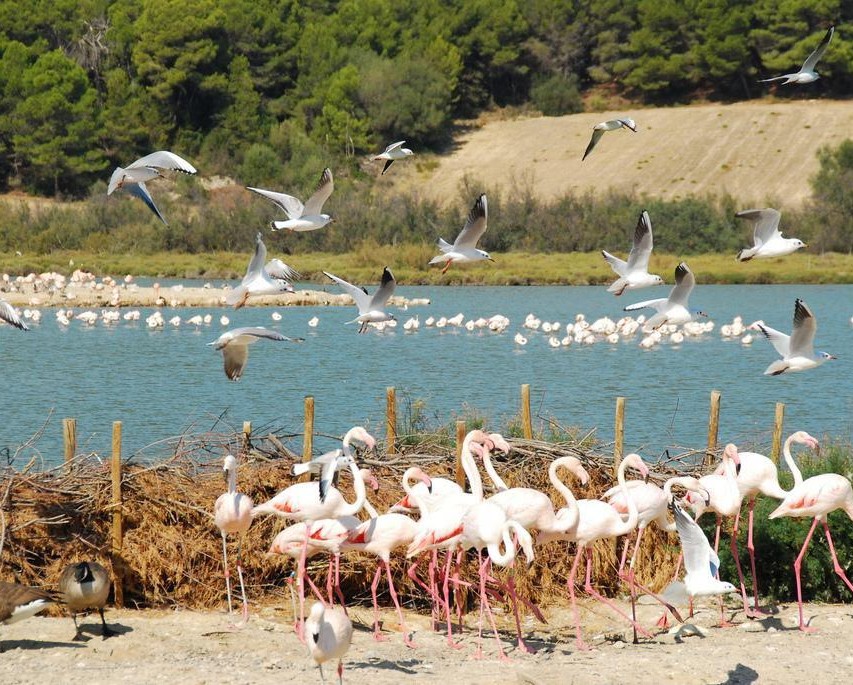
{"x":69,"y":429}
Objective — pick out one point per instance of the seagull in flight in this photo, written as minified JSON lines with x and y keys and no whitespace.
{"x":766,"y":235}
{"x":370,"y":309}
{"x":262,"y":279}
{"x":806,"y":74}
{"x":797,"y":349}
{"x":612,"y":125}
{"x":132,"y":178}
{"x":464,"y":248}
{"x":392,"y":153}
{"x":635,"y":272}
{"x":672,"y":309}
{"x":307,"y":217}
{"x":234,"y":345}
{"x":325,"y":465}
{"x":10,"y":316}
{"x":701,"y":563}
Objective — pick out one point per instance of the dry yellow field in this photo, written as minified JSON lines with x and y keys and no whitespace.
{"x":762,"y":153}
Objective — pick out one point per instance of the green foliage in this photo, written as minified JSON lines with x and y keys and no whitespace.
{"x":557,"y":95}
{"x":831,"y":216}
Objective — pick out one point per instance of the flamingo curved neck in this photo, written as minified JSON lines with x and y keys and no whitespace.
{"x":569,"y":520}
{"x":633,"y":514}
{"x":232,"y":481}
{"x":350,"y":434}
{"x":360,"y":493}
{"x":789,"y":460}
{"x":470,"y":468}
{"x":494,"y":548}
{"x":498,"y":482}
{"x":414,"y":495}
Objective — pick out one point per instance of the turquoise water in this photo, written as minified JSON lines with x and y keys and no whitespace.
{"x":161,"y":383}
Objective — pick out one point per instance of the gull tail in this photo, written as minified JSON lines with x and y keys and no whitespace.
{"x":746,"y":254}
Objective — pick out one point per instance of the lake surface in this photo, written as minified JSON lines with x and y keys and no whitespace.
{"x":161,"y":383}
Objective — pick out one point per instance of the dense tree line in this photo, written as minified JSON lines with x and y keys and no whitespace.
{"x":272,"y":90}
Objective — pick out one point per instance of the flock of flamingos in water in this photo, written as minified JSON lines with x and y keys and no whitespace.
{"x":436,"y":514}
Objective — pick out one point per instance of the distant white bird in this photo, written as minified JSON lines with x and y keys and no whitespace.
{"x":612,"y":125}
{"x":133,"y":177}
{"x":328,"y":633}
{"x":393,"y":152}
{"x":635,"y":272}
{"x":10,"y":316}
{"x":806,"y":74}
{"x":672,"y":309}
{"x":700,"y":561}
{"x":766,"y":235}
{"x":234,"y":345}
{"x":307,"y":217}
{"x":370,"y":309}
{"x":797,"y":349}
{"x":464,"y":248}
{"x":262,"y":279}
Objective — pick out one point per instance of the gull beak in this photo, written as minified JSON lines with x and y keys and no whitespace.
{"x":491,"y":260}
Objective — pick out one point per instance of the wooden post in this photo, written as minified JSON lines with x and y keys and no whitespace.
{"x":619,"y":434}
{"x":118,"y":588}
{"x":526,"y":420}
{"x":391,"y":419}
{"x":69,"y":435}
{"x":460,"y":438}
{"x":308,"y":436}
{"x":247,"y":435}
{"x":713,"y":427}
{"x":777,"y":432}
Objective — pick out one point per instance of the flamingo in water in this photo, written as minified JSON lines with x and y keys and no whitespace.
{"x":597,"y":521}
{"x":232,"y":513}
{"x":816,"y":496}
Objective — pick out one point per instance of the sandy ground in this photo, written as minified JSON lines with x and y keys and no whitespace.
{"x":755,"y":152}
{"x":199,"y":647}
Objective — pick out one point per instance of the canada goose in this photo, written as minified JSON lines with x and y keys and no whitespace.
{"x":86,"y":585}
{"x":18,"y":602}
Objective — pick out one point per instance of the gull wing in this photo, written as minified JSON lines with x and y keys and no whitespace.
{"x":395,"y":146}
{"x":694,"y":545}
{"x":642,"y":248}
{"x":684,"y":282}
{"x":10,"y":316}
{"x":280,"y":271}
{"x":765,"y":223}
{"x":385,"y":290}
{"x":256,"y":263}
{"x":596,"y":136}
{"x":115,"y":179}
{"x":814,"y":58}
{"x":314,"y":206}
{"x":163,"y":159}
{"x":388,"y":163}
{"x":628,"y":123}
{"x":619,"y":266}
{"x":292,"y":206}
{"x":328,"y":470}
{"x":657,"y":304}
{"x":362,"y":299}
{"x":475,"y":226}
{"x":140,"y":191}
{"x":234,"y":357}
{"x":802,"y":335}
{"x":779,"y":340}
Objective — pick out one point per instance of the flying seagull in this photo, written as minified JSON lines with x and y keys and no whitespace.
{"x":806,"y":74}
{"x":235,"y":347}
{"x":393,"y":152}
{"x":701,"y":563}
{"x":325,"y":465}
{"x":10,"y":316}
{"x":766,"y":235}
{"x":132,"y":178}
{"x":797,"y":349}
{"x":612,"y":125}
{"x":635,"y":272}
{"x":672,"y":309}
{"x":262,"y":279}
{"x":464,"y":248}
{"x":370,"y":309}
{"x":307,"y":217}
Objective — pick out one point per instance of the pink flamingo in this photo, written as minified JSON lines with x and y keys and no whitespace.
{"x":232,"y":513}
{"x":597,"y":521}
{"x":652,"y":504}
{"x":816,"y":496}
{"x":290,"y":542}
{"x":724,"y":499}
{"x":379,"y":536}
{"x":533,"y":509}
{"x":759,"y":475}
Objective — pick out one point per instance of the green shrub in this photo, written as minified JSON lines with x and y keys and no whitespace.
{"x":557,"y":95}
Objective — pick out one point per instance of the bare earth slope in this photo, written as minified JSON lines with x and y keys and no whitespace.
{"x":760,"y":153}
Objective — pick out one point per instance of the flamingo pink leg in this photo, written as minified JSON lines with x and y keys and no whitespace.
{"x":756,"y":611}
{"x":377,"y":635}
{"x":242,"y":586}
{"x":736,"y":557}
{"x":592,"y":592}
{"x":724,"y":623}
{"x":406,"y":640}
{"x":571,"y":583}
{"x":484,"y":567}
{"x":797,"y":564}
{"x":446,"y":592}
{"x":430,"y":589}
{"x":227,"y":572}
{"x":836,"y":566}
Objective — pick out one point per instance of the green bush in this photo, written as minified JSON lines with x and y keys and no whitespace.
{"x":557,"y":95}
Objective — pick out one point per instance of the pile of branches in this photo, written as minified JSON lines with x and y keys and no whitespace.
{"x":171,"y":552}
